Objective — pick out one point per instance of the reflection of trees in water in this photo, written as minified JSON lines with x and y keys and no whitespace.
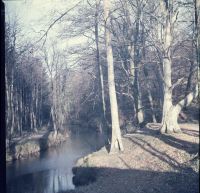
{"x":49,"y":181}
{"x":59,"y":181}
{"x":51,"y":173}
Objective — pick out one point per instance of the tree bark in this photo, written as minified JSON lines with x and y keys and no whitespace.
{"x":12,"y":105}
{"x":197,"y":30}
{"x":137,"y":61}
{"x":170,"y":119}
{"x":170,"y":111}
{"x":116,"y":141}
{"x":134,"y":47}
{"x":101,"y":79}
{"x":7,"y":103}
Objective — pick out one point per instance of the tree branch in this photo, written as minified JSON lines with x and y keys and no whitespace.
{"x":54,"y":22}
{"x":188,"y":99}
{"x":179,"y":81}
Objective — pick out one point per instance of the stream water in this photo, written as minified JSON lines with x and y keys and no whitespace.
{"x":51,"y":172}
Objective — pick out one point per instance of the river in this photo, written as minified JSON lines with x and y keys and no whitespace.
{"x":51,"y":172}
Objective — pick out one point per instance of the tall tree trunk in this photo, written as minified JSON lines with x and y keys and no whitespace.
{"x":149,"y":96}
{"x":40,"y":107}
{"x":53,"y":108}
{"x":21,"y":111}
{"x":53,"y":116}
{"x":197,"y":32}
{"x":151,"y":104}
{"x":195,"y":52}
{"x":7,"y":103}
{"x":34,"y":122}
{"x":137,"y":61}
{"x":189,"y":81}
{"x":17,"y":111}
{"x":31,"y":120}
{"x":12,"y":105}
{"x":168,"y":125}
{"x":36,"y":106}
{"x":170,"y":111}
{"x":116,"y":141}
{"x":139,"y":107}
{"x":159,"y":79}
{"x":134,"y":58}
{"x":101,"y":79}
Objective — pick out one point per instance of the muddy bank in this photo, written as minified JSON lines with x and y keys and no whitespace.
{"x":32,"y":145}
{"x":150,"y":163}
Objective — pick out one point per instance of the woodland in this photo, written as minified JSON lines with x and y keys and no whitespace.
{"x":134,"y":64}
{"x":139,"y":65}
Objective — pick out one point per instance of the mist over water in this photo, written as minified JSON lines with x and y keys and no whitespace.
{"x":51,"y":172}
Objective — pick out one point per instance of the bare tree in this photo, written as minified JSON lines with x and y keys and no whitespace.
{"x":101,"y":79}
{"x":171,"y":111}
{"x":116,"y":141}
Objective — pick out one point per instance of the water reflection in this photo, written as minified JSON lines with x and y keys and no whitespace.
{"x":51,"y":181}
{"x":52,"y":171}
{"x":59,"y":180}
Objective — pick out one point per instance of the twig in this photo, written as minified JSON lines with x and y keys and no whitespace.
{"x":54,"y":22}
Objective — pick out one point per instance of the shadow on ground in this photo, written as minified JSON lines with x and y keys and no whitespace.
{"x":112,"y":180}
{"x":187,"y":146}
{"x":190,"y":132}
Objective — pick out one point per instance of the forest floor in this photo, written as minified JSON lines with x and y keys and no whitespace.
{"x":150,"y":163}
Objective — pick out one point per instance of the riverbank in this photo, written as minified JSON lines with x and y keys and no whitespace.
{"x":150,"y":163}
{"x":31,"y":145}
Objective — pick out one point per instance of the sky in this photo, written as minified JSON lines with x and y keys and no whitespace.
{"x":36,"y":15}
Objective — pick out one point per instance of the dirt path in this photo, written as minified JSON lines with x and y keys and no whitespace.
{"x":151,"y":163}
